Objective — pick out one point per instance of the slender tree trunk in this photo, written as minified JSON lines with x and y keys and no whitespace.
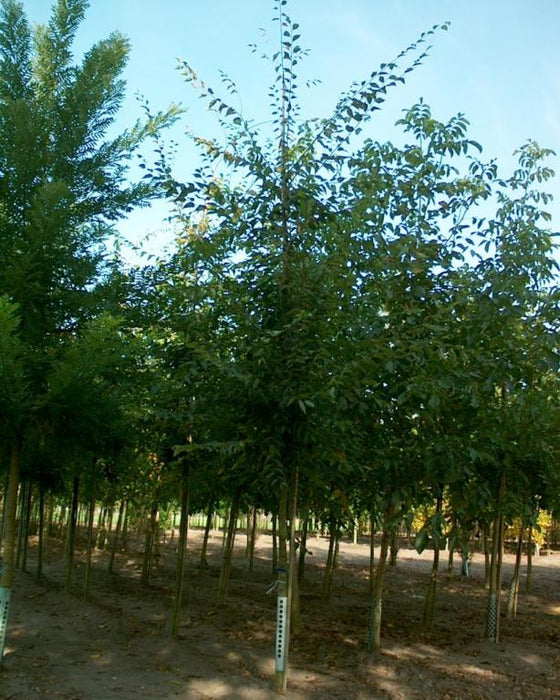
{"x":252,"y":536}
{"x":124,"y":533}
{"x":156,"y":554}
{"x":100,"y":527}
{"x":282,"y":529}
{"x":529,"y":579}
{"x":203,"y":564}
{"x":303,"y":548}
{"x":8,"y":542}
{"x":248,"y":521}
{"x":513,"y":594}
{"x":293,"y":590}
{"x":376,"y":605}
{"x":329,"y":568}
{"x":430,"y":602}
{"x":183,"y":534}
{"x":41,"y":531}
{"x":450,"y":558}
{"x":394,"y":549}
{"x":90,"y":542}
{"x":274,"y":543}
{"x":149,"y":545}
{"x":486,"y":545}
{"x":372,"y":554}
{"x":226,"y":527}
{"x":4,"y":502}
{"x":21,"y":520}
{"x":115,"y":536}
{"x":71,"y":532}
{"x":61,"y":524}
{"x":26,"y":525}
{"x":228,"y":549}
{"x":282,"y":601}
{"x":465,"y":561}
{"x":50,"y":519}
{"x":493,"y":607}
{"x":110,"y":516}
{"x":288,"y":607}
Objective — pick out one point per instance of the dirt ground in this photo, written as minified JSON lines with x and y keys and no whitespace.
{"x":118,"y":645}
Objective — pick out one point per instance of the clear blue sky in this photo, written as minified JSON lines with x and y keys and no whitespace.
{"x":499,"y":64}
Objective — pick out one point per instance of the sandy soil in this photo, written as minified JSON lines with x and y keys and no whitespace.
{"x":118,"y":645}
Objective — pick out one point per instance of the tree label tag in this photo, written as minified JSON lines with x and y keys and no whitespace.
{"x":281,"y":628}
{"x":4,"y":608}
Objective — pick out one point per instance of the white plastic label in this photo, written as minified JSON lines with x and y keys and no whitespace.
{"x":281,"y":628}
{"x":4,"y":608}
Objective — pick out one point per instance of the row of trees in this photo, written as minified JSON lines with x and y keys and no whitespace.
{"x":345,"y":329}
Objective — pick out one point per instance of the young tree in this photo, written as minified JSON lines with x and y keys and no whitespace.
{"x":62,"y":188}
{"x":267,"y":210}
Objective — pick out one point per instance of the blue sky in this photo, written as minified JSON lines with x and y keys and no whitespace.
{"x":499,"y":64}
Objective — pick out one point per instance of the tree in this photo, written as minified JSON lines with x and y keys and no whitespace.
{"x":267,"y":211}
{"x":62,"y":188}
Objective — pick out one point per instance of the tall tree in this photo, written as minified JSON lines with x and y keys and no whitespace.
{"x":62,"y":188}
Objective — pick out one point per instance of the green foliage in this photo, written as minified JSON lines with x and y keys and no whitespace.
{"x":62,"y":181}
{"x":13,"y":383}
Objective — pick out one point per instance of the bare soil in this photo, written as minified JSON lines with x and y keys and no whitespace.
{"x":118,"y":645}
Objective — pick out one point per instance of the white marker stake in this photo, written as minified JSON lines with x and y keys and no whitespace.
{"x":4,"y":608}
{"x":281,"y":629}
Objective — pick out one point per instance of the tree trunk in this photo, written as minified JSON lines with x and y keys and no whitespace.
{"x":90,"y":542}
{"x":21,"y":519}
{"x":486,"y":544}
{"x":203,"y":564}
{"x":282,"y":598}
{"x":71,"y":533}
{"x":329,"y":568}
{"x":465,"y":561}
{"x":376,"y":605}
{"x":8,"y":542}
{"x":41,"y":531}
{"x":148,"y":545}
{"x":5,"y":490}
{"x":248,"y":522}
{"x":430,"y":602}
{"x":124,"y":533}
{"x":110,"y":515}
{"x":225,"y":529}
{"x":372,"y":554}
{"x":394,"y":549}
{"x":26,"y":524}
{"x":493,"y":607}
{"x":228,"y":548}
{"x":100,"y":528}
{"x":303,"y":549}
{"x":115,"y":538}
{"x":513,"y":594}
{"x":274,"y":543}
{"x":293,"y":590}
{"x":61,"y":524}
{"x":183,"y":533}
{"x":50,"y":518}
{"x":450,"y":558}
{"x":529,"y":579}
{"x":252,"y":536}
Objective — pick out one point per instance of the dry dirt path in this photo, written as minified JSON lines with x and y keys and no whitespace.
{"x":118,"y":647}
